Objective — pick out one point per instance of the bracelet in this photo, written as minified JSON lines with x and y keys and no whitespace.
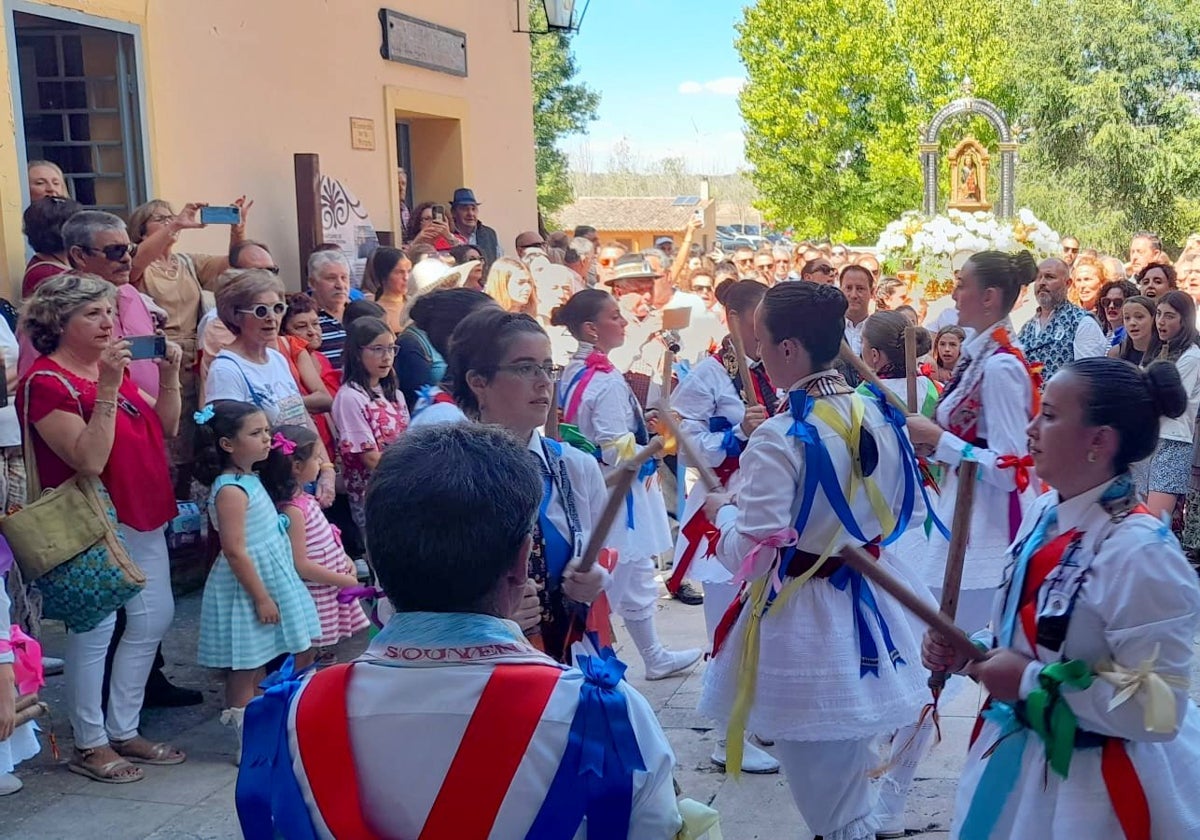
{"x":110,"y":407}
{"x":328,"y":465}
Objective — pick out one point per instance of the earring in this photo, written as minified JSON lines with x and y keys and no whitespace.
{"x":1092,"y":456}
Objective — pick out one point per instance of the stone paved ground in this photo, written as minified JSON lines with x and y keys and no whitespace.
{"x":194,"y":801}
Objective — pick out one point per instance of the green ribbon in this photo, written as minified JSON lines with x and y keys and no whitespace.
{"x":571,"y":435}
{"x":1050,"y":716}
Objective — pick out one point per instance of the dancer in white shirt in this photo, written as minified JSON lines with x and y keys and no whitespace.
{"x":595,"y":397}
{"x":816,"y":657}
{"x":1090,"y":648}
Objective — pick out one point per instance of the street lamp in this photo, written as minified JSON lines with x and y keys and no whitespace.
{"x":564,"y":16}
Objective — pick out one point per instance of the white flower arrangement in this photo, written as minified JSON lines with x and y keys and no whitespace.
{"x":926,"y":244}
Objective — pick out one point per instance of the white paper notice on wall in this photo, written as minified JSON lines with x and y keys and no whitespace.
{"x":419,"y":42}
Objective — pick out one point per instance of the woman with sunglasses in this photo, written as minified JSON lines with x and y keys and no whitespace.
{"x":503,"y":376}
{"x":1110,"y":306}
{"x":369,"y":411}
{"x":595,"y":396}
{"x":251,"y":369}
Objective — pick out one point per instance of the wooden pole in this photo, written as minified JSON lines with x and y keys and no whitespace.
{"x":964,"y":502}
{"x":616,"y":498}
{"x":685,"y":445}
{"x":855,"y":361}
{"x":308,"y":203}
{"x":910,"y":367}
{"x":866,"y":565}
{"x":749,"y":395}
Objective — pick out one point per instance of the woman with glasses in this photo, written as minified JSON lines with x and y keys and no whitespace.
{"x":252,"y":369}
{"x":1109,"y":308}
{"x":595,"y":396}
{"x":175,"y":282}
{"x":503,"y":376}
{"x":428,"y":225}
{"x":368,"y":411}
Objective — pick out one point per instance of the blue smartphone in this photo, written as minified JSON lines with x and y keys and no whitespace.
{"x":227,"y":215}
{"x":147,"y":347}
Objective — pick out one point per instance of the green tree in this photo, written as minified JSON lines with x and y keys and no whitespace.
{"x":560,"y":107}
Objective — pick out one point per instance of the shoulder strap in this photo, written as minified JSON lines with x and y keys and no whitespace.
{"x":481,"y":772}
{"x":33,"y":481}
{"x":255,"y":397}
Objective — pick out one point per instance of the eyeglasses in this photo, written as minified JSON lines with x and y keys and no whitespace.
{"x":826,"y":269}
{"x":113,"y":253}
{"x":274,"y":269}
{"x":262,"y":311}
{"x":382,"y":349}
{"x":525,"y":245}
{"x":1067,"y":250}
{"x":529,"y":370}
{"x":1113,"y":303}
{"x":701,"y":287}
{"x":162,"y":218}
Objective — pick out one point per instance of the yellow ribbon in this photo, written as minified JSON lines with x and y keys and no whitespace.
{"x":699,"y":821}
{"x":624,"y":448}
{"x":1152,"y":689}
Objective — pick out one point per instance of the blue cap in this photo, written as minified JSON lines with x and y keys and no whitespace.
{"x":463,"y":195}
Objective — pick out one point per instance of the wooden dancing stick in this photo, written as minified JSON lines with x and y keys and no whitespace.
{"x":856,"y":558}
{"x":551,"y":430}
{"x":685,"y":445}
{"x":616,"y":498}
{"x":910,"y":367}
{"x":667,"y":374}
{"x":749,"y":395}
{"x":860,"y":367}
{"x":960,"y":527}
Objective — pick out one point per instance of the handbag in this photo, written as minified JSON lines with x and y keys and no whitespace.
{"x":67,"y":541}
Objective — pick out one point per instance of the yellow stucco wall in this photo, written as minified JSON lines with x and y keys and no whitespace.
{"x":236,"y":87}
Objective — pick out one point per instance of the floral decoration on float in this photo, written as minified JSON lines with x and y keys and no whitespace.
{"x":919,"y":248}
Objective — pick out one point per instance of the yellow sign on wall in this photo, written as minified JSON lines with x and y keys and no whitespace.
{"x":362,"y":134}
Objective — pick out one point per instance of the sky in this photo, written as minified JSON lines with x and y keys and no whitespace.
{"x":668,"y":78}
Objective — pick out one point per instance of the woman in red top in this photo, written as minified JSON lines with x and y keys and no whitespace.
{"x":302,"y":331}
{"x":42,"y":223}
{"x":86,"y":415}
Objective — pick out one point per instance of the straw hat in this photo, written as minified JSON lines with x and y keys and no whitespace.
{"x":632,"y":267}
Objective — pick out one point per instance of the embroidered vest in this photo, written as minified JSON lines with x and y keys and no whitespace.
{"x":1053,"y":345}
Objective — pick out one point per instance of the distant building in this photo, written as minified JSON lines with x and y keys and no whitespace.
{"x":636,"y":222}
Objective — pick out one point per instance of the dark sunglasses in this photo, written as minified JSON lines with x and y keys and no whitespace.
{"x":274,"y":269}
{"x":826,"y":269}
{"x":262,"y":311}
{"x":1113,"y":303}
{"x":701,"y":287}
{"x":113,"y":253}
{"x":533,"y":245}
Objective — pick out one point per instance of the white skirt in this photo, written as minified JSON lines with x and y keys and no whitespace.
{"x":22,"y":745}
{"x":809,"y":688}
{"x":1044,"y":805}
{"x":651,"y":532}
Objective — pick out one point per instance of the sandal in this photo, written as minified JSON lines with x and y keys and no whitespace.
{"x":141,"y":751}
{"x":115,"y":772}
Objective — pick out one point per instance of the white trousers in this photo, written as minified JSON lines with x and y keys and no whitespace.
{"x":717,"y":598}
{"x":634,"y":589}
{"x":830,"y":785}
{"x":149,"y":614}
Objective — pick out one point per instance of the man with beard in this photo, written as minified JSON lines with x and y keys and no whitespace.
{"x":1061,"y":332}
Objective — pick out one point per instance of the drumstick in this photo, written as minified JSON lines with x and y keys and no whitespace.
{"x":684,"y":443}
{"x":616,"y":498}
{"x":860,"y":367}
{"x":964,"y":501}
{"x":856,"y":558}
{"x":748,"y":393}
{"x":552,"y":418}
{"x":910,"y":366}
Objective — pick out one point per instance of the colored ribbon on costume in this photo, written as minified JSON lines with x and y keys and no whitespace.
{"x":645,"y":471}
{"x":695,"y":531}
{"x":268,"y":798}
{"x":1021,"y":465}
{"x":596,"y":362}
{"x":571,"y":435}
{"x":27,"y":659}
{"x":350,"y":594}
{"x":1050,"y":716}
{"x":595,"y":777}
{"x":730,"y":444}
{"x":1012,"y":601}
{"x":1151,"y":688}
{"x":752,"y":569}
{"x":865,"y":605}
{"x":999,"y":776}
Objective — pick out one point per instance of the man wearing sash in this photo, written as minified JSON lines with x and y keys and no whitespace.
{"x":452,"y":725}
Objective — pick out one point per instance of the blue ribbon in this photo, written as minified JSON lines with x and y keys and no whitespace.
{"x":595,"y":777}
{"x":647,"y":469}
{"x":267,"y":796}
{"x":999,"y":777}
{"x":863,"y":598}
{"x":556,"y":550}
{"x":730,"y":443}
{"x":912,"y":470}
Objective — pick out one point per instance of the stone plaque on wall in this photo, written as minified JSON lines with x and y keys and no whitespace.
{"x":418,"y":42}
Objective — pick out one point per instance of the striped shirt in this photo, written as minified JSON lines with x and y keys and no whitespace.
{"x":333,"y":338}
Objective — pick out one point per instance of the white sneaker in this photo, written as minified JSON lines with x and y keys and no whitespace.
{"x":754,"y":760}
{"x":889,"y":811}
{"x":9,"y":784}
{"x":234,"y":718}
{"x":669,"y":662}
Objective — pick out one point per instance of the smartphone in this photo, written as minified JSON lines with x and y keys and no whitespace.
{"x":439,"y":213}
{"x":698,"y":215}
{"x":227,"y":215}
{"x":147,"y":346}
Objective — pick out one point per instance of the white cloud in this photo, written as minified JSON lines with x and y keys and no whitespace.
{"x":724,"y":86}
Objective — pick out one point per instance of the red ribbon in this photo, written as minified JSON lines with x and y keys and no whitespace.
{"x":697,"y":529}
{"x":1022,"y":465}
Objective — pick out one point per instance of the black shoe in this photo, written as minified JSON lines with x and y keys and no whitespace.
{"x":161,"y":694}
{"x":688,"y":594}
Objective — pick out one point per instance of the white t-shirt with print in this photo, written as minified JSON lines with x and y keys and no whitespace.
{"x":270,"y":386}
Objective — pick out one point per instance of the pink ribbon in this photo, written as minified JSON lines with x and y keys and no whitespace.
{"x":750,"y":569}
{"x":283,"y":444}
{"x":596,"y":362}
{"x":27,"y":660}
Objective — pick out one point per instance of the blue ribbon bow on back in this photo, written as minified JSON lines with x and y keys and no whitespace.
{"x":730,"y":443}
{"x":595,"y":777}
